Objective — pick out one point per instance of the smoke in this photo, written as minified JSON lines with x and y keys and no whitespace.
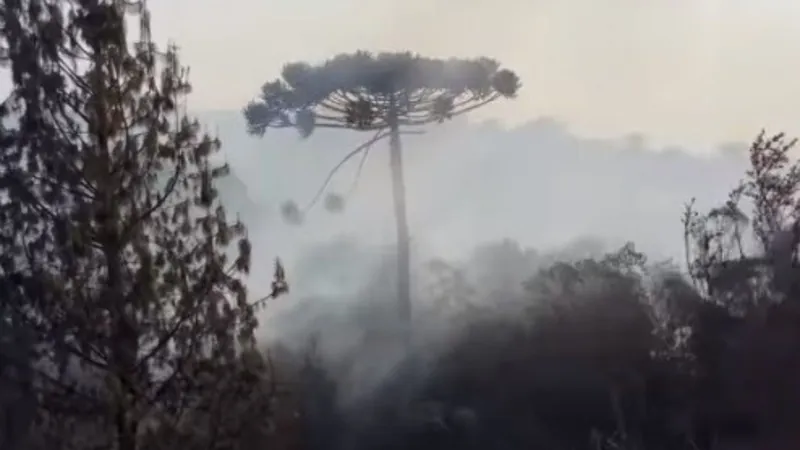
{"x":489,"y":207}
{"x":537,"y":183}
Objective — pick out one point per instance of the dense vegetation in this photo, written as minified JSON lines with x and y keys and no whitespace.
{"x":125,"y":322}
{"x":606,"y":351}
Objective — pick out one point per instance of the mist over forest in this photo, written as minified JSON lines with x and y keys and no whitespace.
{"x":490,"y":208}
{"x":536,"y":184}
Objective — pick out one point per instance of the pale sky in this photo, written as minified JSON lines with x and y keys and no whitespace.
{"x":679,"y":71}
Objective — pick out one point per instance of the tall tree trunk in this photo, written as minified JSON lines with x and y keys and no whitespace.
{"x":124,"y":342}
{"x":403,"y":239}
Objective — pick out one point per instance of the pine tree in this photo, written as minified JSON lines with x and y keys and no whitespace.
{"x":124,"y":281}
{"x":386,"y":94}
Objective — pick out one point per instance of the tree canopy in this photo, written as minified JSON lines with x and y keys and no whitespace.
{"x":353,"y":91}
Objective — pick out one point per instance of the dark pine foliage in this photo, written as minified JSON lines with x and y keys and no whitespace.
{"x":122,"y":306}
{"x":359,"y":90}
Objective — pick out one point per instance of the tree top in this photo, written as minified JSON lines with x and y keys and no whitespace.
{"x":333,"y":92}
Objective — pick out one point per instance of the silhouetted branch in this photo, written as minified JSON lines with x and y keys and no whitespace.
{"x":365,"y":147}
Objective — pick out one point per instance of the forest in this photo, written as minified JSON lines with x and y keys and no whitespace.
{"x":126,"y":322}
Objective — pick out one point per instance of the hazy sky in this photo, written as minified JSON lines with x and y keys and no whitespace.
{"x":680,"y":71}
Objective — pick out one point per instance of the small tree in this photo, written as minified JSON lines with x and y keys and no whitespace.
{"x":122,"y":280}
{"x":384,"y":94}
{"x":716,"y":243}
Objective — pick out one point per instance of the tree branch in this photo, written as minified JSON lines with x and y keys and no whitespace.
{"x":365,"y":147}
{"x":458,"y":109}
{"x":358,"y":172}
{"x":361,"y":148}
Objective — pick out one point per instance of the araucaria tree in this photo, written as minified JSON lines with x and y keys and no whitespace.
{"x":113,"y":243}
{"x":384,"y":93}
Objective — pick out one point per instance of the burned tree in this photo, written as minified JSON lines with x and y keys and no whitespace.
{"x":386,"y":94}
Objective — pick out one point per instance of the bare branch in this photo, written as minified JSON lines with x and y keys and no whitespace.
{"x":365,"y":147}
